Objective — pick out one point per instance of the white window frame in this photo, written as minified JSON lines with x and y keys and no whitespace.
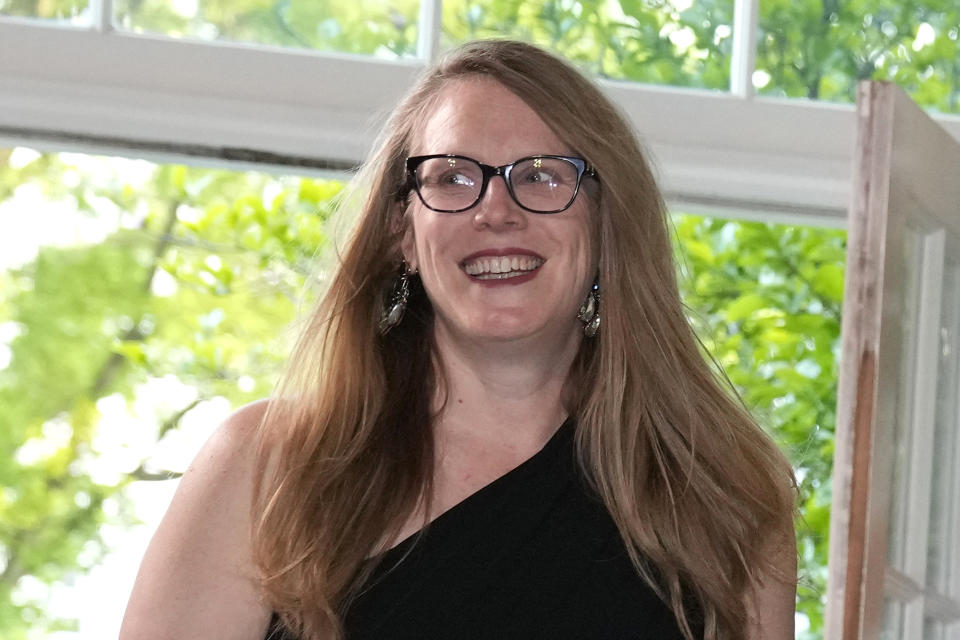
{"x":897,"y":343}
{"x":101,"y":90}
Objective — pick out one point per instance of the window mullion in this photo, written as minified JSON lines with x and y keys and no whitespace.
{"x":102,"y":15}
{"x":899,"y":586}
{"x":428,"y":31}
{"x":952,"y":584}
{"x":743,"y":61}
{"x":921,"y":425}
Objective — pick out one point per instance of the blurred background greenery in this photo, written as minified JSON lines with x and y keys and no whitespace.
{"x":135,"y":295}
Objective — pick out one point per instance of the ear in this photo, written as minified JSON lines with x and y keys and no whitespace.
{"x":408,"y":245}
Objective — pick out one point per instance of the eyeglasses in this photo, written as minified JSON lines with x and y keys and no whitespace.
{"x":540,"y":184}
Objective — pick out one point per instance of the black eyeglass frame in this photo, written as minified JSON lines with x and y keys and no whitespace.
{"x":488,"y":172}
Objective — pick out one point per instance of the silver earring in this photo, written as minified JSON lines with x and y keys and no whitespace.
{"x":393,"y":312}
{"x":590,"y":311}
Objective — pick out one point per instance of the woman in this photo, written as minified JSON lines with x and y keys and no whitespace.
{"x":507,"y":300}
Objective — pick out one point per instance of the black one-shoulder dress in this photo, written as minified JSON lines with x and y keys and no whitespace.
{"x":534,"y":554}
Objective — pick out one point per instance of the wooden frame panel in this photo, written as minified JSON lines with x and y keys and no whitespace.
{"x":904,"y":183}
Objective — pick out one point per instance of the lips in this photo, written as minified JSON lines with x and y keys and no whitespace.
{"x":488,"y":265}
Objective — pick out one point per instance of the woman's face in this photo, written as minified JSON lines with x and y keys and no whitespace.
{"x":549,"y":256}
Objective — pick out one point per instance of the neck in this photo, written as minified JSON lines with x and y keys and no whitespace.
{"x":505,"y":393}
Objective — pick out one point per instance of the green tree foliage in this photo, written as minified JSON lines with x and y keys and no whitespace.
{"x":812,"y":48}
{"x":47,"y":9}
{"x":657,"y":42}
{"x":386,"y":28}
{"x":196,"y":272}
{"x":823,"y":48}
{"x":766,"y":301}
{"x":196,"y":276}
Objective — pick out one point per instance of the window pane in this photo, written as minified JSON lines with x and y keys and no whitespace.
{"x":892,"y":620}
{"x":821,"y":50}
{"x":765,"y":299}
{"x":139,"y":303}
{"x":672,"y":42}
{"x":932,"y":629}
{"x":898,"y":529}
{"x":946,"y":446}
{"x":386,"y":28}
{"x":60,"y":10}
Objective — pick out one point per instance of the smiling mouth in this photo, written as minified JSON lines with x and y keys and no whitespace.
{"x":501,"y":267}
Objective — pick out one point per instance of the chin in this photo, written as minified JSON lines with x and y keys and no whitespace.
{"x":509,"y":327}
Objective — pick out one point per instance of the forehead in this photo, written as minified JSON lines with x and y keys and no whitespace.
{"x":481,"y":118}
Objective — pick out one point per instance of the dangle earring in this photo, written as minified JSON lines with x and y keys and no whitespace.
{"x":590,"y":311}
{"x":393,"y":312}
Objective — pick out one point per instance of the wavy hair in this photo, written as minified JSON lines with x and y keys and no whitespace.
{"x":696,"y":488}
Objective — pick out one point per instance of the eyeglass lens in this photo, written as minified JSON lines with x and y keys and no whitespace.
{"x":539,"y":184}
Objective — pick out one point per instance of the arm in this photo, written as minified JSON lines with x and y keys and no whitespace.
{"x":197,"y":578}
{"x":771,"y":603}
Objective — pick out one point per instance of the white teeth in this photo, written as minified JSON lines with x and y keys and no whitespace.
{"x":502,"y":267}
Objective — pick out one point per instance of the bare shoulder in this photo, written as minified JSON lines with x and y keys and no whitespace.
{"x":197,"y":578}
{"x":232,"y":446}
{"x":771,"y":604}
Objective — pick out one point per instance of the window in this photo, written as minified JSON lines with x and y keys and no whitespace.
{"x":821,"y":51}
{"x":894,"y":568}
{"x":386,"y":28}
{"x":670,"y":43}
{"x":181,"y":281}
{"x":299,"y":88}
{"x":139,"y":303}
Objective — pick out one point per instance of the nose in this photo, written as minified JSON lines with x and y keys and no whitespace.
{"x":497,"y":209}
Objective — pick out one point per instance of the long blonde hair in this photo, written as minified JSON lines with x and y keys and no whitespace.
{"x":346,"y":452}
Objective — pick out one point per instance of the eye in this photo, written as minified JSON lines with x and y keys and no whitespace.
{"x":540,"y":177}
{"x":457,"y":178}
{"x":542,"y":172}
{"x":449,"y":173}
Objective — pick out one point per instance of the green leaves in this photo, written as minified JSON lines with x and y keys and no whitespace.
{"x":822,"y":48}
{"x":827,"y":281}
{"x":384,"y":28}
{"x":766,"y":302}
{"x":630,"y":40}
{"x":196,"y":273}
{"x":194,"y":277}
{"x":745,"y":306}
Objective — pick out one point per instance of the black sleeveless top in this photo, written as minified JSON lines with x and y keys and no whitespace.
{"x":534,"y":554}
